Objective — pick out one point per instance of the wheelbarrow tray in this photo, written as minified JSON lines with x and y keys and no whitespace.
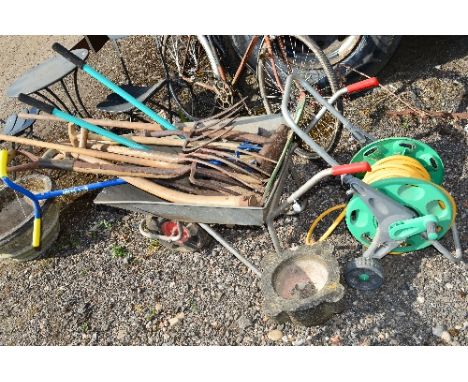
{"x":131,"y":198}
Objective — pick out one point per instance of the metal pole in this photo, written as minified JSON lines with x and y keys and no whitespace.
{"x":226,"y":245}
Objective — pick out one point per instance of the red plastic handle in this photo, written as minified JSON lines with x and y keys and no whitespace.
{"x":351,"y":168}
{"x":363,"y":85}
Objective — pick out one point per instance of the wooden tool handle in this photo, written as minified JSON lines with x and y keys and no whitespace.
{"x":181,"y":197}
{"x":100,"y":122}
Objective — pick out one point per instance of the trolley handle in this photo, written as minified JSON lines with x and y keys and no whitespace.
{"x":357,"y":133}
{"x":362,"y":85}
{"x":351,"y":168}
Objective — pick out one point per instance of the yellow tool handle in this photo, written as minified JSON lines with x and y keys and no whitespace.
{"x":3,"y":163}
{"x":36,"y":241}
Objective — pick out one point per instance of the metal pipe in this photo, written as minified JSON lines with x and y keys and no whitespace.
{"x":323,"y":110}
{"x":274,"y":236}
{"x":226,"y":245}
{"x":444,"y":251}
{"x":300,"y":133}
{"x":301,"y":191}
{"x":357,"y":133}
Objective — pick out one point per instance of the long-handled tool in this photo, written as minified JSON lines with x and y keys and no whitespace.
{"x":36,"y":198}
{"x":80,"y":122}
{"x":65,"y":53}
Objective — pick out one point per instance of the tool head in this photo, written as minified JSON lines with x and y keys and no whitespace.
{"x":16,"y":126}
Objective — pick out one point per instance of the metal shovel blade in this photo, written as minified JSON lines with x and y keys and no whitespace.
{"x":16,"y":126}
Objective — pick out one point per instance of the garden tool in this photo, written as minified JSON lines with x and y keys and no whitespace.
{"x":35,"y":198}
{"x":65,"y":53}
{"x":80,"y":122}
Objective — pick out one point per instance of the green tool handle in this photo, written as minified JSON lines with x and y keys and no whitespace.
{"x":80,"y":122}
{"x":403,"y":229}
{"x":65,"y":53}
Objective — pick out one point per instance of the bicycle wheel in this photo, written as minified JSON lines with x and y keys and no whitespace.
{"x":280,"y":55}
{"x":191,"y":77}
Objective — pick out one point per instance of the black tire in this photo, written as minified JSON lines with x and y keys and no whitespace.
{"x":364,"y":274}
{"x":366,"y":53}
{"x":277,"y":57}
{"x":369,"y":54}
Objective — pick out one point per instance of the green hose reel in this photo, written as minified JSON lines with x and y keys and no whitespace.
{"x":432,"y":204}
{"x":413,"y":148}
{"x":425,"y":198}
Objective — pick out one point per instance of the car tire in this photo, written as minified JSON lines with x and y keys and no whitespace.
{"x":366,"y":53}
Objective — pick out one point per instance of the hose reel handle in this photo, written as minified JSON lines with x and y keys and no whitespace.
{"x":362,"y":85}
{"x":351,"y":168}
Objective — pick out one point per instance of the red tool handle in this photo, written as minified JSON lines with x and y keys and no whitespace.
{"x":363,"y":85}
{"x":351,"y":168}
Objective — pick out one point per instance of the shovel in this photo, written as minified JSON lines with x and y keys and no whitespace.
{"x":65,"y":53}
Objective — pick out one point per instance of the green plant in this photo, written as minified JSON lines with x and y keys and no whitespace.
{"x":405,"y":123}
{"x":194,"y":307}
{"x":85,"y":327}
{"x":152,"y":314}
{"x":119,"y":251}
{"x":104,"y":224}
{"x":153,"y":246}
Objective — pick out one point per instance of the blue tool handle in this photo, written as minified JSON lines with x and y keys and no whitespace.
{"x":129,"y":98}
{"x":25,"y":192}
{"x":65,"y":53}
{"x":99,"y":130}
{"x":79,"y":122}
{"x":76,"y":189}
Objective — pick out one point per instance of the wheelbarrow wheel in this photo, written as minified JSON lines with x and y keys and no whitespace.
{"x":193,"y":237}
{"x":364,"y":274}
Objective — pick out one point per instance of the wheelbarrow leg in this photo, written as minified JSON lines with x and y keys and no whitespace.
{"x":226,"y":245}
{"x":274,"y":236}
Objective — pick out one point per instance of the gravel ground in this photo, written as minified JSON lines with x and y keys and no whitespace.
{"x":104,"y":284}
